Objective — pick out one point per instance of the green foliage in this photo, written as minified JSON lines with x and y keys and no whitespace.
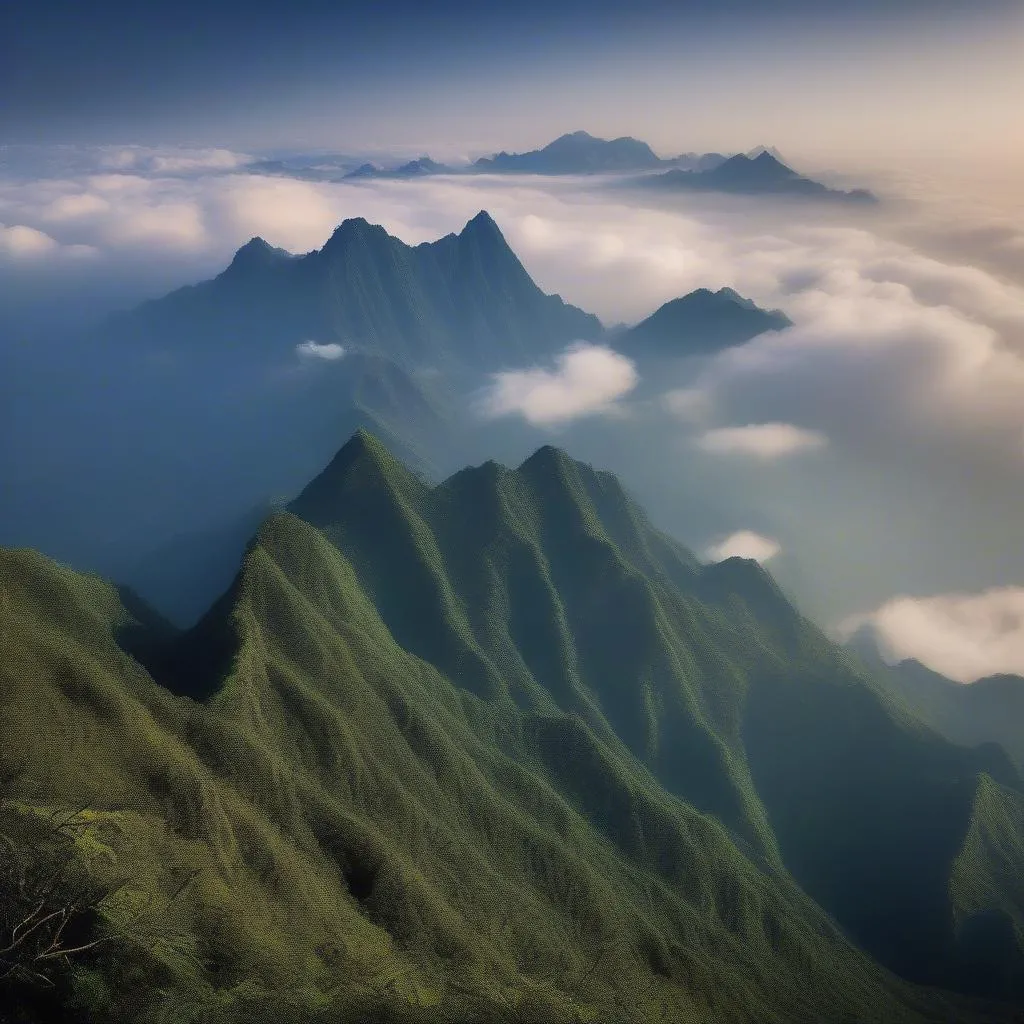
{"x":477,"y":752}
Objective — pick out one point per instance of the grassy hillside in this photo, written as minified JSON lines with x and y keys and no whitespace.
{"x":987,"y":897}
{"x":356,"y":835}
{"x":547,"y":588}
{"x":473,"y":753}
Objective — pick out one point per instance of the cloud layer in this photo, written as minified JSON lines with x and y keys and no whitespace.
{"x":761,"y":440}
{"x":963,"y":636}
{"x":906,"y":354}
{"x":744,"y":544}
{"x":21,"y":243}
{"x":587,"y":380}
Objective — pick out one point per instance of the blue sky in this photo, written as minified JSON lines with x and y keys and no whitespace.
{"x":813,"y":76}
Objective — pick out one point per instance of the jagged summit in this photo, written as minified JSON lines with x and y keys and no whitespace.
{"x":576,"y":136}
{"x":482,"y":223}
{"x":458,"y":301}
{"x":744,"y":174}
{"x":365,"y":170}
{"x":546,"y":459}
{"x":256,"y":253}
{"x":747,"y":580}
{"x":758,"y":150}
{"x":362,"y":463}
{"x":353,"y":230}
{"x":761,"y":169}
{"x":577,"y":152}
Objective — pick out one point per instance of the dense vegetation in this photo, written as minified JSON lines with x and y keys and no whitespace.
{"x":492,"y":750}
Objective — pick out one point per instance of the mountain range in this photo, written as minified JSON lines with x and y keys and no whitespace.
{"x":763,"y":174}
{"x":464,"y":299}
{"x":574,"y":153}
{"x":412,"y":169}
{"x":759,"y":171}
{"x":495,"y":749}
{"x":365,"y":332}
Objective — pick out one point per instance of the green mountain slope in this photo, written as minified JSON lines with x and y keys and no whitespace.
{"x":545,"y":586}
{"x":363,"y":837}
{"x":987,"y":897}
{"x":492,"y":750}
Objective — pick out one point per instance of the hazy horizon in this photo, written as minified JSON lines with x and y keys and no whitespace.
{"x":823,"y":80}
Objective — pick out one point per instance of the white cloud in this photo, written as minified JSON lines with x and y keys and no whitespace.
{"x":761,"y":440}
{"x":172,"y":161}
{"x":21,"y":241}
{"x":199,"y":160}
{"x":744,"y":544}
{"x":175,"y":225}
{"x":76,"y":206}
{"x":314,"y":350}
{"x":963,"y":636}
{"x":587,"y":379}
{"x":911,"y":366}
{"x":121,"y":184}
{"x":296,"y":215}
{"x":689,"y":404}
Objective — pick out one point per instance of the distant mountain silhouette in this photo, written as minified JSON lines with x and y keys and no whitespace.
{"x":413,"y":169}
{"x":771,"y":150}
{"x":763,"y":174}
{"x":989,"y":710}
{"x":464,"y":300}
{"x":697,"y":161}
{"x":575,"y":153}
{"x":700,"y":323}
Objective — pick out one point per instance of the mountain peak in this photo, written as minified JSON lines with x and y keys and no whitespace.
{"x":257,"y":252}
{"x":547,"y":455}
{"x":759,"y":150}
{"x":363,"y":447}
{"x":550,"y":467}
{"x":365,"y":170}
{"x":749,"y":581}
{"x":701,"y":322}
{"x":482,"y":226}
{"x":767,"y":159}
{"x":353,"y":229}
{"x":254,"y":245}
{"x":362,"y":462}
{"x":762,"y":168}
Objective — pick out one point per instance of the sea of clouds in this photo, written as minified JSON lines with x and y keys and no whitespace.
{"x":881,"y":437}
